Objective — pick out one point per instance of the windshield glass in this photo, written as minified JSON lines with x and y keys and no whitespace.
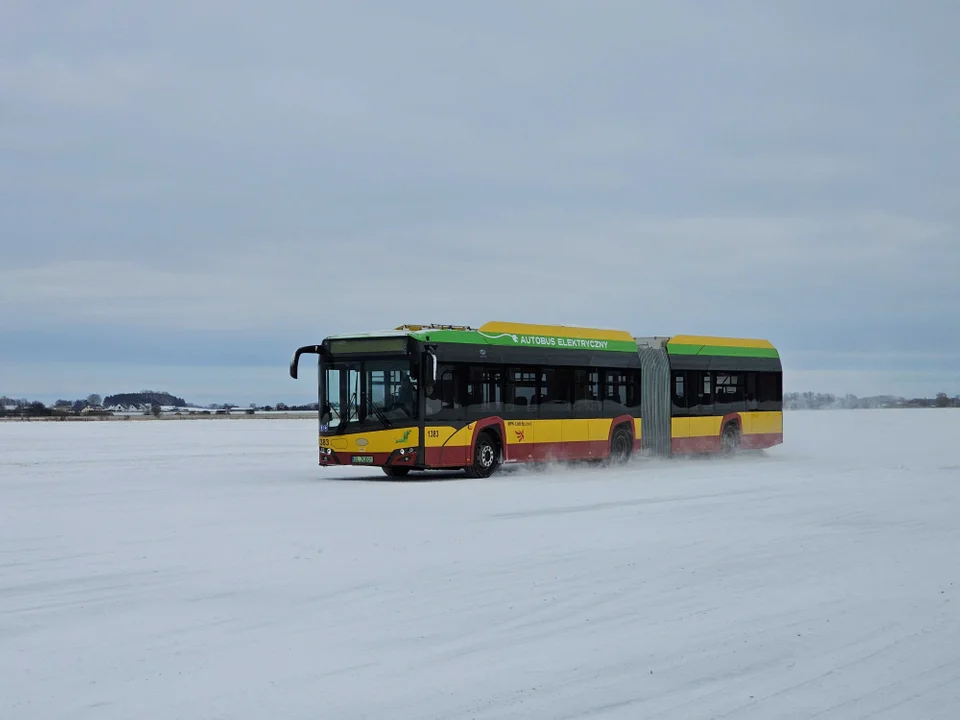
{"x":378,"y":391}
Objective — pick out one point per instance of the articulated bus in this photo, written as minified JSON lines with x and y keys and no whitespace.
{"x":425,"y":397}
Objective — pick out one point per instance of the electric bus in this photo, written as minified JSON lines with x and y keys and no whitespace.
{"x":423,"y":397}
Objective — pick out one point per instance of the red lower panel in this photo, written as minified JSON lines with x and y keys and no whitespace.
{"x":712,"y":444}
{"x":541,"y":452}
{"x":559,"y":451}
{"x":446,"y":457}
{"x":681,"y":446}
{"x":761,"y":441}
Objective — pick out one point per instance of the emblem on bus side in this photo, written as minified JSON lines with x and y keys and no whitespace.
{"x":361,"y":442}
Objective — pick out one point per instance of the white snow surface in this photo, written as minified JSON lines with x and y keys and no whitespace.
{"x":212,"y":570}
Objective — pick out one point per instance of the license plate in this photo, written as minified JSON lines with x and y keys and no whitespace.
{"x":363,"y":459}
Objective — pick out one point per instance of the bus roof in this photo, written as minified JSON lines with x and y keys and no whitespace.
{"x":566,"y":337}
{"x":728,"y":346}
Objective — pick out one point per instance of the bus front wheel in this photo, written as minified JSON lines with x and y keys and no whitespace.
{"x":486,"y":457}
{"x":396,"y":471}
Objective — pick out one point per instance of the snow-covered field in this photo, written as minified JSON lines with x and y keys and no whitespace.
{"x":212,"y":570}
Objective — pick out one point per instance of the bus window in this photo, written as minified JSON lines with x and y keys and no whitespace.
{"x":770,"y":389}
{"x":521,"y":399}
{"x":680,"y":399}
{"x":751,"y":399}
{"x":484,"y":391}
{"x":728,"y":389}
{"x":586,"y":393}
{"x":615,"y":391}
{"x":555,"y":389}
{"x":442,"y":399}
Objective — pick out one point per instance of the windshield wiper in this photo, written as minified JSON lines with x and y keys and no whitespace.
{"x":379,"y":413}
{"x":342,"y":427}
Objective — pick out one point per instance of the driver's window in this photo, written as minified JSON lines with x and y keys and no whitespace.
{"x":442,"y":400}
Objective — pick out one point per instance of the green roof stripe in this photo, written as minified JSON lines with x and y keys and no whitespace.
{"x":722,"y":350}
{"x":553,"y":342}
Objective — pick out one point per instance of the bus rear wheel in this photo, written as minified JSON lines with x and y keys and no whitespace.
{"x":730,"y":440}
{"x":486,"y":457}
{"x":621,"y":445}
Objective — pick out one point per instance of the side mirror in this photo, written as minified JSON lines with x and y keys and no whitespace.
{"x":295,"y":361}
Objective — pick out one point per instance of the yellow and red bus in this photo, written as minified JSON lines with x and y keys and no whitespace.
{"x":424,"y":397}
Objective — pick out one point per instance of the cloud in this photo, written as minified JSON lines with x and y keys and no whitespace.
{"x":646,"y":275}
{"x":61,"y":85}
{"x":215,"y":171}
{"x":793,"y":168}
{"x":49,"y":381}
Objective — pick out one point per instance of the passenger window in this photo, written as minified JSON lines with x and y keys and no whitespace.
{"x":771,"y":391}
{"x":586,"y":393}
{"x":615,"y":388}
{"x":680,"y":400}
{"x":751,"y":400}
{"x":484,"y":391}
{"x":442,"y":400}
{"x":521,"y":399}
{"x":728,"y":393}
{"x":555,"y":393}
{"x":634,"y":392}
{"x":701,"y":400}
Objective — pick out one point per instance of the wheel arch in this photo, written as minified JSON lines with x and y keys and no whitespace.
{"x":493,"y":426}
{"x":624,"y":421}
{"x":734,"y":419}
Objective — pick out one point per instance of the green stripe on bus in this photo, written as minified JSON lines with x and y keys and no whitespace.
{"x":722,"y":350}
{"x":551,"y":342}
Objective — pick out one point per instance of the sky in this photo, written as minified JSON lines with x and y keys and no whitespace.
{"x":191,"y":190}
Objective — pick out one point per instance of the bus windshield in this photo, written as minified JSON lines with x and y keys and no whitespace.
{"x":368,"y":392}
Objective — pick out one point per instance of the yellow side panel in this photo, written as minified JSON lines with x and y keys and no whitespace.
{"x":704,"y":426}
{"x":720,"y":341}
{"x":599,"y":429}
{"x":575,"y":430}
{"x":462,"y":437}
{"x":557,"y":330}
{"x":378,"y":441}
{"x":637,"y":429}
{"x":680,"y":427}
{"x":438,"y":436}
{"x":549,"y":431}
{"x":519,"y":432}
{"x":444,"y":436}
{"x":761,"y":423}
{"x":520,"y":438}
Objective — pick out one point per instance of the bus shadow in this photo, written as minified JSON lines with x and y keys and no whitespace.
{"x":413,"y":477}
{"x":638,"y":462}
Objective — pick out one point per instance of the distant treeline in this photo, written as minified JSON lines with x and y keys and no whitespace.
{"x":145,"y":401}
{"x":146,"y":397}
{"x":828,"y":401}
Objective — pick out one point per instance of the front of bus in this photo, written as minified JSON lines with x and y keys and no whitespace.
{"x":370,"y":404}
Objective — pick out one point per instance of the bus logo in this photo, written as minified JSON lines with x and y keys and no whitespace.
{"x":519,"y":434}
{"x":403,"y":438}
{"x":362,"y":442}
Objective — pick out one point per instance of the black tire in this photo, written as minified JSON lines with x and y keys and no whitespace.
{"x":730,"y":439}
{"x":396,"y":471}
{"x":621,"y":446}
{"x":486,"y":457}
